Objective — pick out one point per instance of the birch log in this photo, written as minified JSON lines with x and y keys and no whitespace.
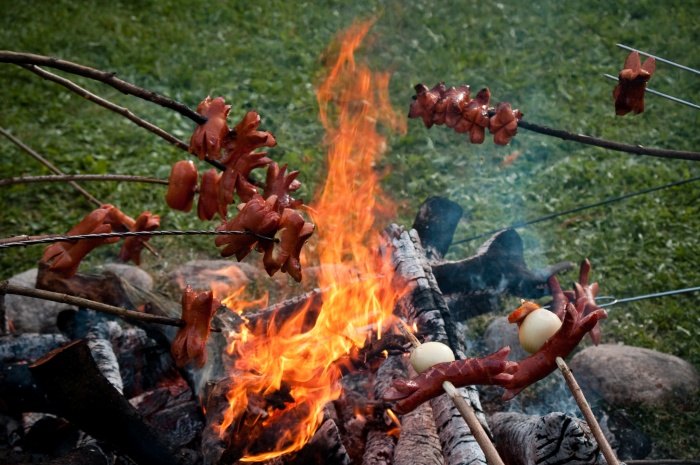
{"x":425,"y":306}
{"x":552,"y":439}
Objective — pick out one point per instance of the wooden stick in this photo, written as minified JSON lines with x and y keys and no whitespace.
{"x":17,"y":58}
{"x":463,"y":407}
{"x":51,"y":167}
{"x":82,"y":177}
{"x":7,"y":288}
{"x":587,"y":413}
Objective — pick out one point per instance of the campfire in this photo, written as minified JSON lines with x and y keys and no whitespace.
{"x":328,"y":376}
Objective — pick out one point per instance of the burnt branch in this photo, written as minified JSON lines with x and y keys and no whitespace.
{"x":108,"y":78}
{"x":78,"y":392}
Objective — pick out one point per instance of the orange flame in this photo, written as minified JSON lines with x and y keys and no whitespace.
{"x":357,"y":282}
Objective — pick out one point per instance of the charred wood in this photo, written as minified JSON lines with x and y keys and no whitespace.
{"x":78,"y":392}
{"x":379,"y":445}
{"x":425,"y":306}
{"x":19,"y":392}
{"x":476,"y":285}
{"x":435,"y":223}
{"x":552,"y":439}
{"x":324,"y":447}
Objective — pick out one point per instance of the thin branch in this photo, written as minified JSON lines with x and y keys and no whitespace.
{"x":7,"y":56}
{"x":22,"y":241}
{"x":51,"y":167}
{"x":7,"y":288}
{"x":603,"y":443}
{"x":48,"y":164}
{"x":125,"y":112}
{"x":82,"y":177}
{"x":607,"y":144}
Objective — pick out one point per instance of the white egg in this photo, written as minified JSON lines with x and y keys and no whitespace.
{"x":430,"y":353}
{"x":538,"y":326}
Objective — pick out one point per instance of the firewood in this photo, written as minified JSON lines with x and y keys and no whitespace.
{"x":28,"y":347}
{"x":425,"y":306}
{"x":323,"y":448}
{"x":551,"y":439}
{"x":79,"y":392}
{"x":435,"y":223}
{"x":475,"y":285}
{"x":379,"y":446}
{"x":419,"y":443}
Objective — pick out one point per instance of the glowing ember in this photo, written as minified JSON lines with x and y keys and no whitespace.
{"x":358,"y":284}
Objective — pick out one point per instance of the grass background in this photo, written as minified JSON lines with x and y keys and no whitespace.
{"x":547,"y":59}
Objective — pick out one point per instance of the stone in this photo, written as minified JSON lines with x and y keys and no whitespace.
{"x":625,"y":375}
{"x":500,"y":333}
{"x":133,"y":274}
{"x":28,"y":314}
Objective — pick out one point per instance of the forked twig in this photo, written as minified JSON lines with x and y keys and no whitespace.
{"x":48,"y":164}
{"x":7,"y":288}
{"x":51,"y":167}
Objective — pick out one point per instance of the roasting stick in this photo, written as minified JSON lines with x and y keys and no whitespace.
{"x":57,"y":171}
{"x":660,"y":94}
{"x":464,"y":408}
{"x":686,"y":68}
{"x":587,"y":413}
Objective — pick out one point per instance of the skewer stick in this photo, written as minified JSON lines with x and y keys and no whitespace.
{"x":660,"y":94}
{"x":463,"y":407}
{"x":686,"y":68}
{"x":587,"y":413}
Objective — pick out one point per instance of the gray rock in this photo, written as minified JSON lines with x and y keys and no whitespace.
{"x":30,"y":315}
{"x":500,"y":333}
{"x":627,"y":376}
{"x":133,"y":274}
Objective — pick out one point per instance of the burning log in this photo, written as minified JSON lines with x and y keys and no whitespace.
{"x":419,"y":442}
{"x":78,"y":392}
{"x":324,"y":447}
{"x":425,"y":306}
{"x":475,"y":285}
{"x":379,"y":446}
{"x":552,"y":439}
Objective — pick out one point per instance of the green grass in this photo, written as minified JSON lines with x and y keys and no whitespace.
{"x":546,"y":59}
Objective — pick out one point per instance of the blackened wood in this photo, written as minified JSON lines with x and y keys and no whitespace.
{"x":325,"y":447}
{"x":551,"y":439}
{"x":309,"y":302}
{"x":18,"y":390}
{"x":435,"y":223}
{"x":379,"y":446}
{"x":425,"y":306}
{"x":475,"y":285}
{"x":79,"y":392}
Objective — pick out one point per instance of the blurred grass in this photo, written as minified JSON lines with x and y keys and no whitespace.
{"x":547,"y":59}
